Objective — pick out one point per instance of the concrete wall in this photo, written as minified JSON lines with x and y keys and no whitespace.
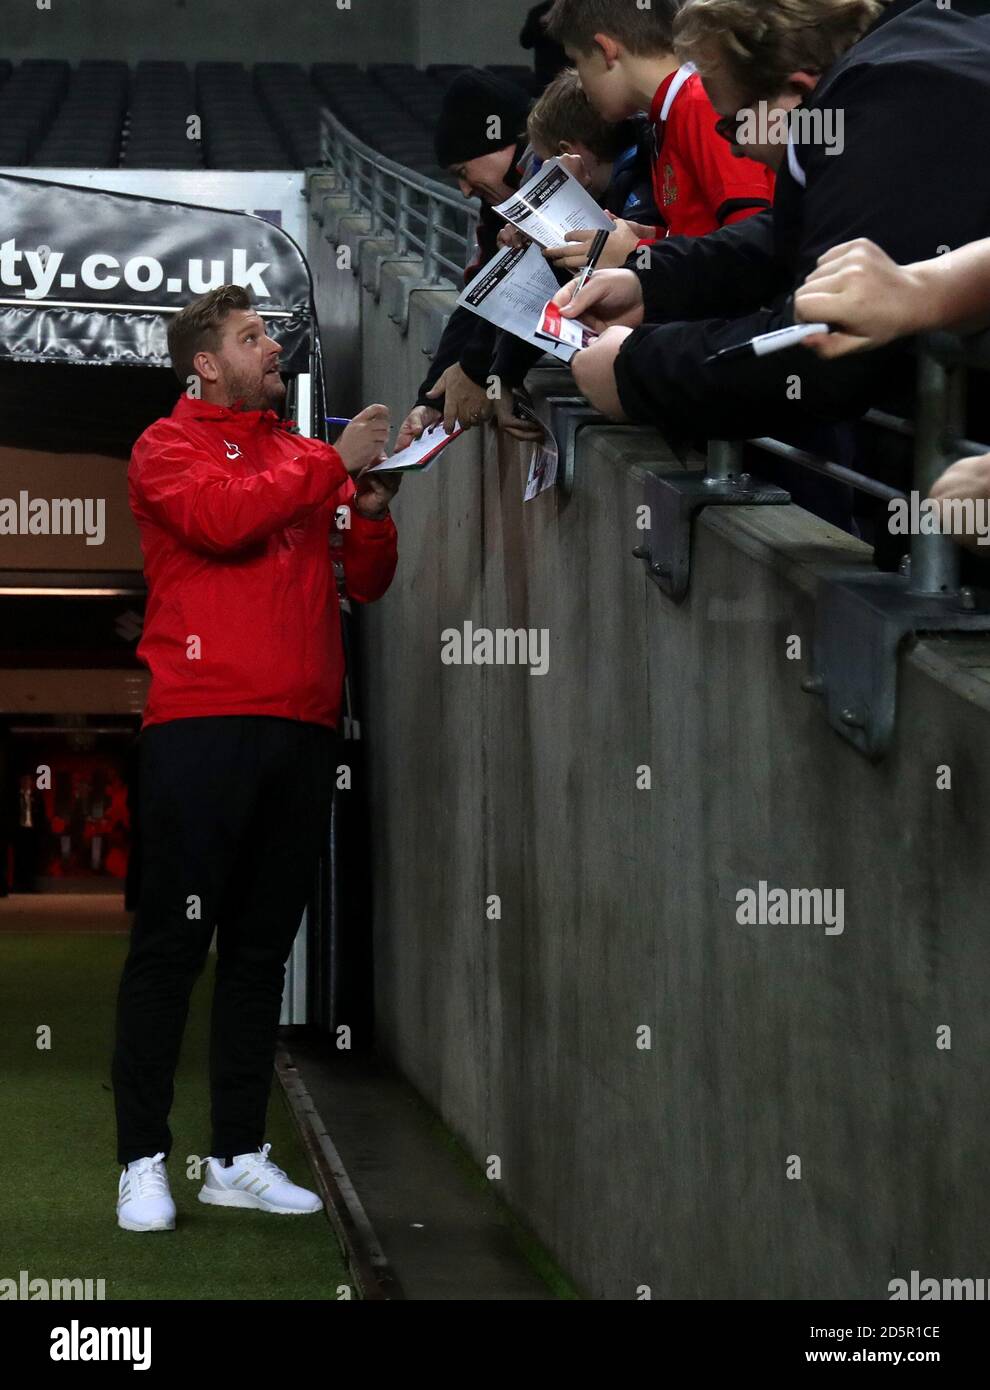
{"x":667,"y":1167}
{"x":304,"y":31}
{"x":250,"y":31}
{"x":453,"y":32}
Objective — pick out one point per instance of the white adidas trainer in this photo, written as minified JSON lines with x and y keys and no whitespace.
{"x":253,"y":1180}
{"x":144,"y":1202}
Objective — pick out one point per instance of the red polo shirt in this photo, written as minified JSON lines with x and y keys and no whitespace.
{"x":699,"y":183}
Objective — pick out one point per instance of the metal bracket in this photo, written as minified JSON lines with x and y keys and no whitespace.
{"x":431,"y":352}
{"x":407,"y":288}
{"x":375,"y":287}
{"x":567,"y":416}
{"x":357,"y":245}
{"x":860,"y":622}
{"x":674,"y":499}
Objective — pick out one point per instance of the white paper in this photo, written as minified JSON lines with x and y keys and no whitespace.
{"x":551,"y":204}
{"x":436,"y":437}
{"x":543,"y":462}
{"x":512,"y":291}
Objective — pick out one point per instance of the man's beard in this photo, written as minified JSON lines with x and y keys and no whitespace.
{"x":266,"y":394}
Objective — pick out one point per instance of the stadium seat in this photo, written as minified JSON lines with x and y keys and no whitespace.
{"x":87,"y":129}
{"x":237,"y":133}
{"x":101,"y":114}
{"x":28,"y":102}
{"x":290,"y":102}
{"x":162,"y":100}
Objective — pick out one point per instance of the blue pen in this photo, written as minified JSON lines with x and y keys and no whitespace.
{"x":336,"y":420}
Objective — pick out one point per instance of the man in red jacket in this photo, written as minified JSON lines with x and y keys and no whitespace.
{"x":238,"y":745}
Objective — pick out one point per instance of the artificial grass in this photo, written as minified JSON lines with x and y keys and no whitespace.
{"x":59,"y":1190}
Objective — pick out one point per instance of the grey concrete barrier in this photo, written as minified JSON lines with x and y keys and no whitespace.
{"x":581,"y":962}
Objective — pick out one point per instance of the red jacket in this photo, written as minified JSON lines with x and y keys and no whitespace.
{"x":236,"y":513}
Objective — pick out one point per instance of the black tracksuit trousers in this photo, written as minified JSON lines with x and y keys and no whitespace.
{"x":234,"y":811}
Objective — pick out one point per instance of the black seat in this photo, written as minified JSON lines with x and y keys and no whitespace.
{"x":161,"y":102}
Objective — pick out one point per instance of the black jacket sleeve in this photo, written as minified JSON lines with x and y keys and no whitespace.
{"x":664,"y":378}
{"x":711,"y":292}
{"x":467,"y":339}
{"x":514,"y":359}
{"x":732,"y":271}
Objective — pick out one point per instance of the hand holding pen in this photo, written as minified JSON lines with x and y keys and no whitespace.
{"x":594,"y":256}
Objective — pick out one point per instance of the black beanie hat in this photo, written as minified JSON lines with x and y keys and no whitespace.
{"x":469,"y":103}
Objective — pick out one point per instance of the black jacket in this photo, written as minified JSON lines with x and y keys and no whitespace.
{"x":468,"y":339}
{"x":913,"y":176}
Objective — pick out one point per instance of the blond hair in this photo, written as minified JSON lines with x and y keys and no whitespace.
{"x":564,"y":112}
{"x":764,"y":41}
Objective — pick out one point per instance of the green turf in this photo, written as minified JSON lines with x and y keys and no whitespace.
{"x":59,"y":1171}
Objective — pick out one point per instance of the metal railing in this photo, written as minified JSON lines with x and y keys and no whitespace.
{"x":425,"y":218}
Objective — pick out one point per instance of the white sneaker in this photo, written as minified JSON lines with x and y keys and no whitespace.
{"x":144,"y":1202}
{"x":253,"y":1180}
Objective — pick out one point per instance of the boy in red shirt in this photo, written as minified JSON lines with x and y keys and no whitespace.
{"x":625,"y":59}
